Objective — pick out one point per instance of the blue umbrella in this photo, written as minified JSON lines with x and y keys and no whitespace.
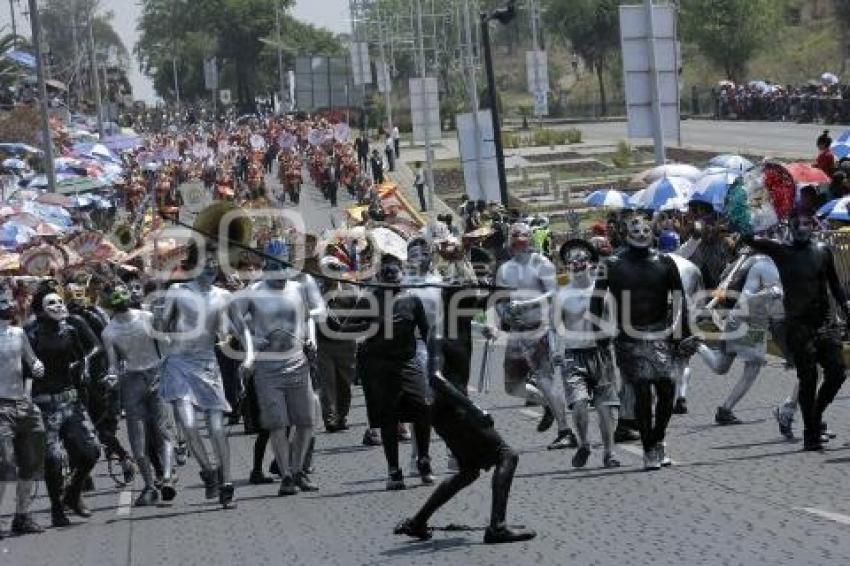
{"x":841,"y":145}
{"x":836,"y":209}
{"x":659,"y":193}
{"x":731,"y":162}
{"x":13,"y":234}
{"x":712,"y":189}
{"x":607,"y":199}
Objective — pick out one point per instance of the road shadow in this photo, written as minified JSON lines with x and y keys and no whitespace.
{"x":415,"y":547}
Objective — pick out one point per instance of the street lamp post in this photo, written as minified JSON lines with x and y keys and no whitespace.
{"x":503,"y":16}
{"x":95,"y":78}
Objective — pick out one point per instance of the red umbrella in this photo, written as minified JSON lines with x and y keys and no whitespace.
{"x":805,"y":174}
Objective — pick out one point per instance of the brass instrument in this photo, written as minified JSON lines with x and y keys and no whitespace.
{"x":239,"y":229}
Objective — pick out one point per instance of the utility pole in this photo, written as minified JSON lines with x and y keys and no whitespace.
{"x":78,"y":88}
{"x":280,"y":71}
{"x":386,"y":70}
{"x":494,"y":107}
{"x":50,"y":168}
{"x":95,"y":78}
{"x":12,"y":15}
{"x":429,"y":168}
{"x":472,"y":87}
{"x":176,"y":80}
{"x":658,"y":123}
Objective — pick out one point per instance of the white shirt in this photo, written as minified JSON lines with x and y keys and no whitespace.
{"x":396,"y":134}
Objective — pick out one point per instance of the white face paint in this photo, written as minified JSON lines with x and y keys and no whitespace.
{"x":520,"y":241}
{"x":639,"y":233}
{"x":54,"y":307}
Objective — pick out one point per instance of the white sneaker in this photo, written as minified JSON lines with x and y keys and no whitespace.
{"x":663,"y":458}
{"x":650,"y":460}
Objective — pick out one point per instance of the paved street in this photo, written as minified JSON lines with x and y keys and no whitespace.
{"x":737,"y":495}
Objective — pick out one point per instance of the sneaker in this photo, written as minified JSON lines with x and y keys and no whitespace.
{"x":58,"y":518}
{"x":211,"y":484}
{"x":503,"y":535}
{"x":225,"y":496}
{"x":565,"y":439}
{"x":24,"y":525}
{"x":396,"y":481}
{"x":287,"y":487}
{"x":77,"y":505}
{"x":581,"y":456}
{"x":610,"y":461}
{"x":625,"y":434}
{"x":663,"y":457}
{"x":785,"y":423}
{"x":725,"y":417}
{"x":371,"y":438}
{"x":147,"y":497}
{"x":425,"y":472}
{"x":403,"y":433}
{"x":180,"y":454}
{"x":824,"y":430}
{"x":681,"y":406}
{"x":650,"y":460}
{"x":259,"y":478}
{"x":546,"y":421}
{"x":813,"y":446}
{"x":412,"y":529}
{"x":128,"y":468}
{"x":167,"y":489}
{"x":304,"y":483}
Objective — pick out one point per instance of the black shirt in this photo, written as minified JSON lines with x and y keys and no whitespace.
{"x":59,"y":347}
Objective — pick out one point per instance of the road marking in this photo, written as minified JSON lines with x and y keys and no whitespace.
{"x":124,"y":500}
{"x":829,"y":515}
{"x":531,"y":413}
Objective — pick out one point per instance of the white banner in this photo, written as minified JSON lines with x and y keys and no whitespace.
{"x":425,"y":108}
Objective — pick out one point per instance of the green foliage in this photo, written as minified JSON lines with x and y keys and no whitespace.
{"x":730,"y":32}
{"x":541,"y":138}
{"x":240,"y":33}
{"x":622,"y":158}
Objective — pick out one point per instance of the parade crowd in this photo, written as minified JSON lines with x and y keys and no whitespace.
{"x":615,"y":313}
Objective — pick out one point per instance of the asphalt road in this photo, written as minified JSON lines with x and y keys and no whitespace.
{"x":736,"y":495}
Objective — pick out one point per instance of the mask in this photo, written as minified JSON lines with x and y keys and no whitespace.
{"x":578,"y":261}
{"x":76,"y":295}
{"x":390,"y":273}
{"x":520,"y":238}
{"x":639,"y":233}
{"x":419,"y":259}
{"x":801,"y":229}
{"x":120,"y":298}
{"x":137,"y":292}
{"x":54,"y":307}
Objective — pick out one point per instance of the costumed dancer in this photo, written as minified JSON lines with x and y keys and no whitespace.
{"x":67,"y":424}
{"x":193,"y":316}
{"x":21,"y":426}
{"x":134,"y":361}
{"x":586,"y":364}
{"x":277,"y":311}
{"x":526,"y":316}
{"x":753,"y":288}
{"x":807,"y":272}
{"x":395,"y":389}
{"x":691,"y":277}
{"x":642,"y":282}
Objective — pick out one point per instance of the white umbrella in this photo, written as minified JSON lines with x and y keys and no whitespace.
{"x":682,"y":170}
{"x":829,"y":79}
{"x":731,"y":162}
{"x":607,"y":199}
{"x":659,"y":193}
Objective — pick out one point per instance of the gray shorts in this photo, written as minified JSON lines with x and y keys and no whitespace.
{"x":140,"y":393}
{"x":21,"y":441}
{"x":644,"y":360}
{"x":284,"y":396}
{"x":590,"y":371}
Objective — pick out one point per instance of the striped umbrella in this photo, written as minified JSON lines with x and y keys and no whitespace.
{"x":712,"y":189}
{"x":837,"y":209}
{"x":607,"y":199}
{"x":731,"y":162}
{"x":658,"y":194}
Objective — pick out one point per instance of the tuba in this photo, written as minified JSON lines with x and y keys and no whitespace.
{"x":123,"y":237}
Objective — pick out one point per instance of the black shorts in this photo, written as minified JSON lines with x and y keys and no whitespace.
{"x":474,"y":447}
{"x":21,"y":441}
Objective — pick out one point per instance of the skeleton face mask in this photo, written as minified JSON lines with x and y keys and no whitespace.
{"x":578,"y":260}
{"x":639,"y":234}
{"x":419,"y":259}
{"x":137,"y":291}
{"x":802,"y":228}
{"x":8,"y":308}
{"x":520,"y":238}
{"x":54,"y":307}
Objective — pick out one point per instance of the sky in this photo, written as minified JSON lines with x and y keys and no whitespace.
{"x":331,"y":14}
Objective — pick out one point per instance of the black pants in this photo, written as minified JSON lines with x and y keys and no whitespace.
{"x":390,"y":159}
{"x":420,"y":190}
{"x":336,"y":373}
{"x":812,"y":347}
{"x":104,"y":409}
{"x":363,"y":161}
{"x":652,"y":434}
{"x":397,"y":147}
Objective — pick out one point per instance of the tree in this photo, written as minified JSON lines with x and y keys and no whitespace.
{"x":730,"y":32}
{"x":592,"y":29}
{"x":237,"y":32}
